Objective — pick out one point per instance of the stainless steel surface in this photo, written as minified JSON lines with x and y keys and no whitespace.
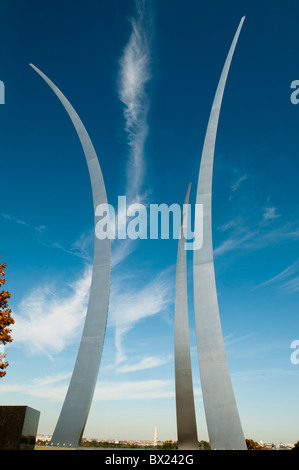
{"x":74,"y":413}
{"x":185,"y":410}
{"x":223,"y":422}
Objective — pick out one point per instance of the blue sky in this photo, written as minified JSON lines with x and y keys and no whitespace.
{"x":165,"y":65}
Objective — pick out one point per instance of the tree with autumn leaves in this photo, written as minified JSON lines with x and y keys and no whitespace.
{"x":5,"y":320}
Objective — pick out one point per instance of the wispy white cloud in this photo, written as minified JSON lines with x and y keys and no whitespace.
{"x":49,"y":380}
{"x":257,"y":236}
{"x":270,"y":213}
{"x":137,"y":390}
{"x":227,"y":226}
{"x":48,"y":319}
{"x":237,"y":184}
{"x":120,"y":251}
{"x":232,"y":339}
{"x":82,"y":247}
{"x":292,"y":285}
{"x":12,"y":218}
{"x":238,"y":240}
{"x":134,"y":74}
{"x":263,"y":374}
{"x":130,"y":305}
{"x":281,"y":276}
{"x":145,"y":363}
{"x":54,"y":389}
{"x":54,"y":316}
{"x":245,"y":238}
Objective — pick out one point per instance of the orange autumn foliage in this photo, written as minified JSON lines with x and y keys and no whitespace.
{"x":5,"y":320}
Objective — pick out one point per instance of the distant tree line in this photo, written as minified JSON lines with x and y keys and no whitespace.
{"x":119,"y":445}
{"x":174,"y":445}
{"x":169,"y":444}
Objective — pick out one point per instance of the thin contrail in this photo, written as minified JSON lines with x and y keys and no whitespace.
{"x":134,"y":74}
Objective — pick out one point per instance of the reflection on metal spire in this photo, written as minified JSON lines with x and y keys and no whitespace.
{"x":74,"y":413}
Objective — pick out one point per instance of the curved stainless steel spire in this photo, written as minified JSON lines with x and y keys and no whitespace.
{"x":185,"y":410}
{"x":224,"y":427}
{"x":74,"y":413}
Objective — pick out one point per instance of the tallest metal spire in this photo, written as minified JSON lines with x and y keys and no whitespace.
{"x":224,"y":427}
